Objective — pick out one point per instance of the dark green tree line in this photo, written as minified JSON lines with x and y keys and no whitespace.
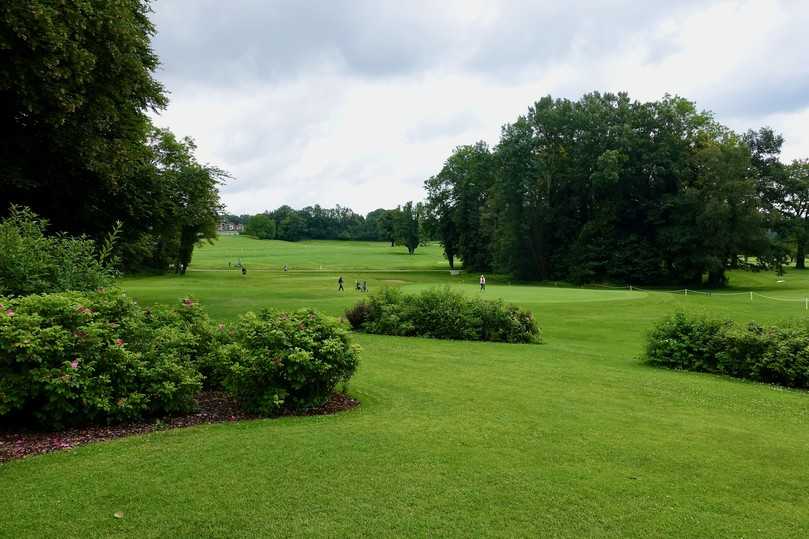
{"x":605,"y":188}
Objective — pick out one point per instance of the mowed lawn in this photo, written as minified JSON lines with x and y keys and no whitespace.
{"x":572,"y":438}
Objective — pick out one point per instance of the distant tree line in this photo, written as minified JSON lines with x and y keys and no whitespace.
{"x":610,"y":189}
{"x":404,"y":225}
{"x":76,"y":142}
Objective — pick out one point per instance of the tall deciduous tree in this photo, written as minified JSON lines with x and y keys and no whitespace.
{"x":408,"y":226}
{"x":191,"y":204}
{"x":76,"y":82}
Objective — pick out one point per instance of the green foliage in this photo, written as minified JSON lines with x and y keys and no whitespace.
{"x":443,"y":313}
{"x":287,"y":360}
{"x":262,"y":226}
{"x":76,"y":141}
{"x":76,"y":86}
{"x":407,"y":228}
{"x":32,"y":262}
{"x":317,"y":223}
{"x":603,"y":188}
{"x":73,"y":358}
{"x":191,"y":199}
{"x":773,"y":354}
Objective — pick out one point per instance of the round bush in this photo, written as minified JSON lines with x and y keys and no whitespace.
{"x":287,"y":360}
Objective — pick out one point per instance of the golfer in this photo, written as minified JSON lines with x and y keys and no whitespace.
{"x":482,"y":283}
{"x":340,"y":284}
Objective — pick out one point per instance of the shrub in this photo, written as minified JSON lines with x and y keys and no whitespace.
{"x":32,"y":263}
{"x":443,"y":313}
{"x":358,"y":314}
{"x":680,"y":342}
{"x":72,"y":358}
{"x":287,"y":360}
{"x":205,"y":338}
{"x":778,"y":355}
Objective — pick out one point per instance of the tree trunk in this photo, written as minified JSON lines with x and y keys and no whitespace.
{"x":800,"y":254}
{"x":392,"y":243}
{"x":451,"y":259}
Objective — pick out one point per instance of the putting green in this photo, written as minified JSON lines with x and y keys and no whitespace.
{"x":523,"y":294}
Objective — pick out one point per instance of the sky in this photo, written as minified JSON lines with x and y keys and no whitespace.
{"x":357,"y":102}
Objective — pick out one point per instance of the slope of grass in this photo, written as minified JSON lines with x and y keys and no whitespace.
{"x":574,"y":437}
{"x":314,"y":255}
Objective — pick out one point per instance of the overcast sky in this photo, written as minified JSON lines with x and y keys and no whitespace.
{"x":357,"y":102}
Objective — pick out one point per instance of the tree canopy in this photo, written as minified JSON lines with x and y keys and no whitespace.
{"x":604,"y":188}
{"x":76,"y":142}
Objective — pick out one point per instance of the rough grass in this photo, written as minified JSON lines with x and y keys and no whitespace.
{"x":574,"y":437}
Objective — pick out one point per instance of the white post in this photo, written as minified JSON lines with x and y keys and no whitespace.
{"x":630,"y":288}
{"x":686,"y":291}
{"x":751,"y":297}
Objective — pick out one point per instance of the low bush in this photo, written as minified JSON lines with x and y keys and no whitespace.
{"x":72,"y":358}
{"x":32,"y":262}
{"x":287,"y":360}
{"x":443,"y":313}
{"x":773,"y":354}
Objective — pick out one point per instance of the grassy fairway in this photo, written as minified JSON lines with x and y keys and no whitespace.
{"x":314,"y":255}
{"x":574,"y":437}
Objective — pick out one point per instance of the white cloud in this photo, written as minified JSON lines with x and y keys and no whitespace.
{"x":356,"y":103}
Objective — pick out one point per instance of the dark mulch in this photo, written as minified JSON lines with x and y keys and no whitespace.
{"x":214,"y":407}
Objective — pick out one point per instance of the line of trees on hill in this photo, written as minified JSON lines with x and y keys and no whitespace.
{"x":76,"y":141}
{"x":609,"y":189}
{"x":404,"y":225}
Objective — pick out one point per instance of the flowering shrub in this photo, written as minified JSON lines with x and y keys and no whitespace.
{"x":778,"y":355}
{"x":287,"y":360}
{"x":442,"y":313}
{"x":71,"y":358}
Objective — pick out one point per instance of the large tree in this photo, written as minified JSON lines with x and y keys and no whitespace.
{"x":190,"y":197}
{"x":76,"y":83}
{"x":408,"y":226}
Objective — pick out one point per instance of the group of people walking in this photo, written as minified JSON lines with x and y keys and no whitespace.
{"x":362,"y":286}
{"x":359,"y":286}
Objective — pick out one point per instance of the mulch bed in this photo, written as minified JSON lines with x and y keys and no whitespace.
{"x":214,"y":407}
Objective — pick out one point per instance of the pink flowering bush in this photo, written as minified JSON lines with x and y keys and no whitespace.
{"x":73,"y":358}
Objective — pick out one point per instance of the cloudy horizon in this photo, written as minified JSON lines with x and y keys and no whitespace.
{"x":356,"y":103}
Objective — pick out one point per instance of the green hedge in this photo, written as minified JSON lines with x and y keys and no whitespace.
{"x":75,"y":358}
{"x":771,"y":354}
{"x":443,"y":313}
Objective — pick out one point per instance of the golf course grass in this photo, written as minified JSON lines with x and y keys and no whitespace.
{"x":574,"y":437}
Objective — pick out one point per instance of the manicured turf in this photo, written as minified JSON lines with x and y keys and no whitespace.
{"x":314,"y":255}
{"x":574,"y":437}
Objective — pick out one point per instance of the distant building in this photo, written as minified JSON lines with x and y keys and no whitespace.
{"x":227,"y":227}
